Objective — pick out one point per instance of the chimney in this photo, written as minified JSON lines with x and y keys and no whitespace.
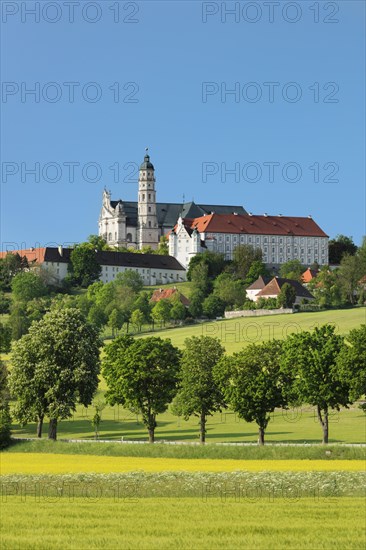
{"x":60,"y":250}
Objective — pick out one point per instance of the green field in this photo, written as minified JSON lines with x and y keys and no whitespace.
{"x":163,"y":523}
{"x":234,"y":334}
{"x":296,"y":426}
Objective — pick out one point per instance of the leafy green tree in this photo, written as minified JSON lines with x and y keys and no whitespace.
{"x":287,"y":296}
{"x":199,"y":278}
{"x":256,"y":269}
{"x":293,"y":269}
{"x":98,"y":243}
{"x":230,"y":291}
{"x":131,"y":279}
{"x":137,"y":319}
{"x":54,"y":367}
{"x":349,"y":274}
{"x":215,"y":262}
{"x":5,"y":419}
{"x":28,"y":285}
{"x":199,"y":395}
{"x":243,"y":257}
{"x":351,"y":362}
{"x":10,"y":266}
{"x":252,"y":383}
{"x":142,"y":375}
{"x":163,"y":248}
{"x":5,"y":338}
{"x":4,"y":303}
{"x":18,"y":321}
{"x":326,"y":288}
{"x":161,"y":312}
{"x":213,"y":306}
{"x":361,"y":254}
{"x":339,"y":246}
{"x":97,"y":316}
{"x":311,"y":359}
{"x":178,"y":311}
{"x":142,"y":303}
{"x":84,"y":268}
{"x":196,"y":300}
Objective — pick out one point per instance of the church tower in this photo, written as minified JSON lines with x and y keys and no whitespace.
{"x":148,"y":230}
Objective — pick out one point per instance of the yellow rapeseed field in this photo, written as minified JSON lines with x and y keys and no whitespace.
{"x":42,"y":463}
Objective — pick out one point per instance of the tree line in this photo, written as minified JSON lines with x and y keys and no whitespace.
{"x":57,"y":364}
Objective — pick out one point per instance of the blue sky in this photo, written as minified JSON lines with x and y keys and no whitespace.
{"x":160,"y":57}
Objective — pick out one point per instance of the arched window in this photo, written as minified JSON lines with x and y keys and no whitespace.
{"x":149,"y":224}
{"x":110,"y":236}
{"x":149,"y":208}
{"x":129,"y":237}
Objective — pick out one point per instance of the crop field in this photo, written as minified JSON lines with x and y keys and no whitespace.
{"x":46,"y":463}
{"x":163,"y":523}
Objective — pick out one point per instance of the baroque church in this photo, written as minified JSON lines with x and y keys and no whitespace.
{"x":142,"y":223}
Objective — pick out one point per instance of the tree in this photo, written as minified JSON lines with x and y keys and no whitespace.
{"x":311,"y":359}
{"x":293,"y":269}
{"x":5,"y":338}
{"x":215,"y":263}
{"x":326,"y":288}
{"x":163,"y":248}
{"x":54,"y":366}
{"x":243,"y":257}
{"x":131,"y":279}
{"x":98,"y":243}
{"x":27,"y":285}
{"x":97,"y":417}
{"x":199,"y":395}
{"x":18,"y":321}
{"x":4,"y":303}
{"x":5,"y":419}
{"x":339,"y":246}
{"x":142,"y":303}
{"x":199,"y":278}
{"x":83,"y":267}
{"x":287,"y":296}
{"x":161,"y":312}
{"x":142,"y":375}
{"x":178,"y":311}
{"x":196,"y":300}
{"x":349,"y":274}
{"x":252,"y":383}
{"x":10,"y":266}
{"x":351,"y":362}
{"x":97,"y":316}
{"x":361,"y":254}
{"x":230,"y":291}
{"x":137,"y":319}
{"x":213,"y":306}
{"x":256,"y":269}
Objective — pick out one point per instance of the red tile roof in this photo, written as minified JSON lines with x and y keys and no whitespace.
{"x":309,"y":275}
{"x":32,"y":254}
{"x":257,"y":225}
{"x":167,"y":294}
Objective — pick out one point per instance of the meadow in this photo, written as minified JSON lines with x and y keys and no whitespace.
{"x":163,"y":523}
{"x":298,"y":425}
{"x":234,"y":334}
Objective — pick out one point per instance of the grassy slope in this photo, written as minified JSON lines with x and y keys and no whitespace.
{"x":158,"y":523}
{"x":237,"y":333}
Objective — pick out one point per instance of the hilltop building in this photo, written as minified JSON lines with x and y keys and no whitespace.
{"x":142,"y":223}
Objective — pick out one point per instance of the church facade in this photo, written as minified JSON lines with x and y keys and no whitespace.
{"x":137,"y":224}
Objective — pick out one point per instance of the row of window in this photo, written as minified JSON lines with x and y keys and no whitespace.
{"x":274,"y":240}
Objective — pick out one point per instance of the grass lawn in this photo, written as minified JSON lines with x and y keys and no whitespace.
{"x":185,"y":288}
{"x":296,"y":426}
{"x":163,"y":523}
{"x":234,"y":334}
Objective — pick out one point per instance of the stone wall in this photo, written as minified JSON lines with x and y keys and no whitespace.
{"x":256,"y":312}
